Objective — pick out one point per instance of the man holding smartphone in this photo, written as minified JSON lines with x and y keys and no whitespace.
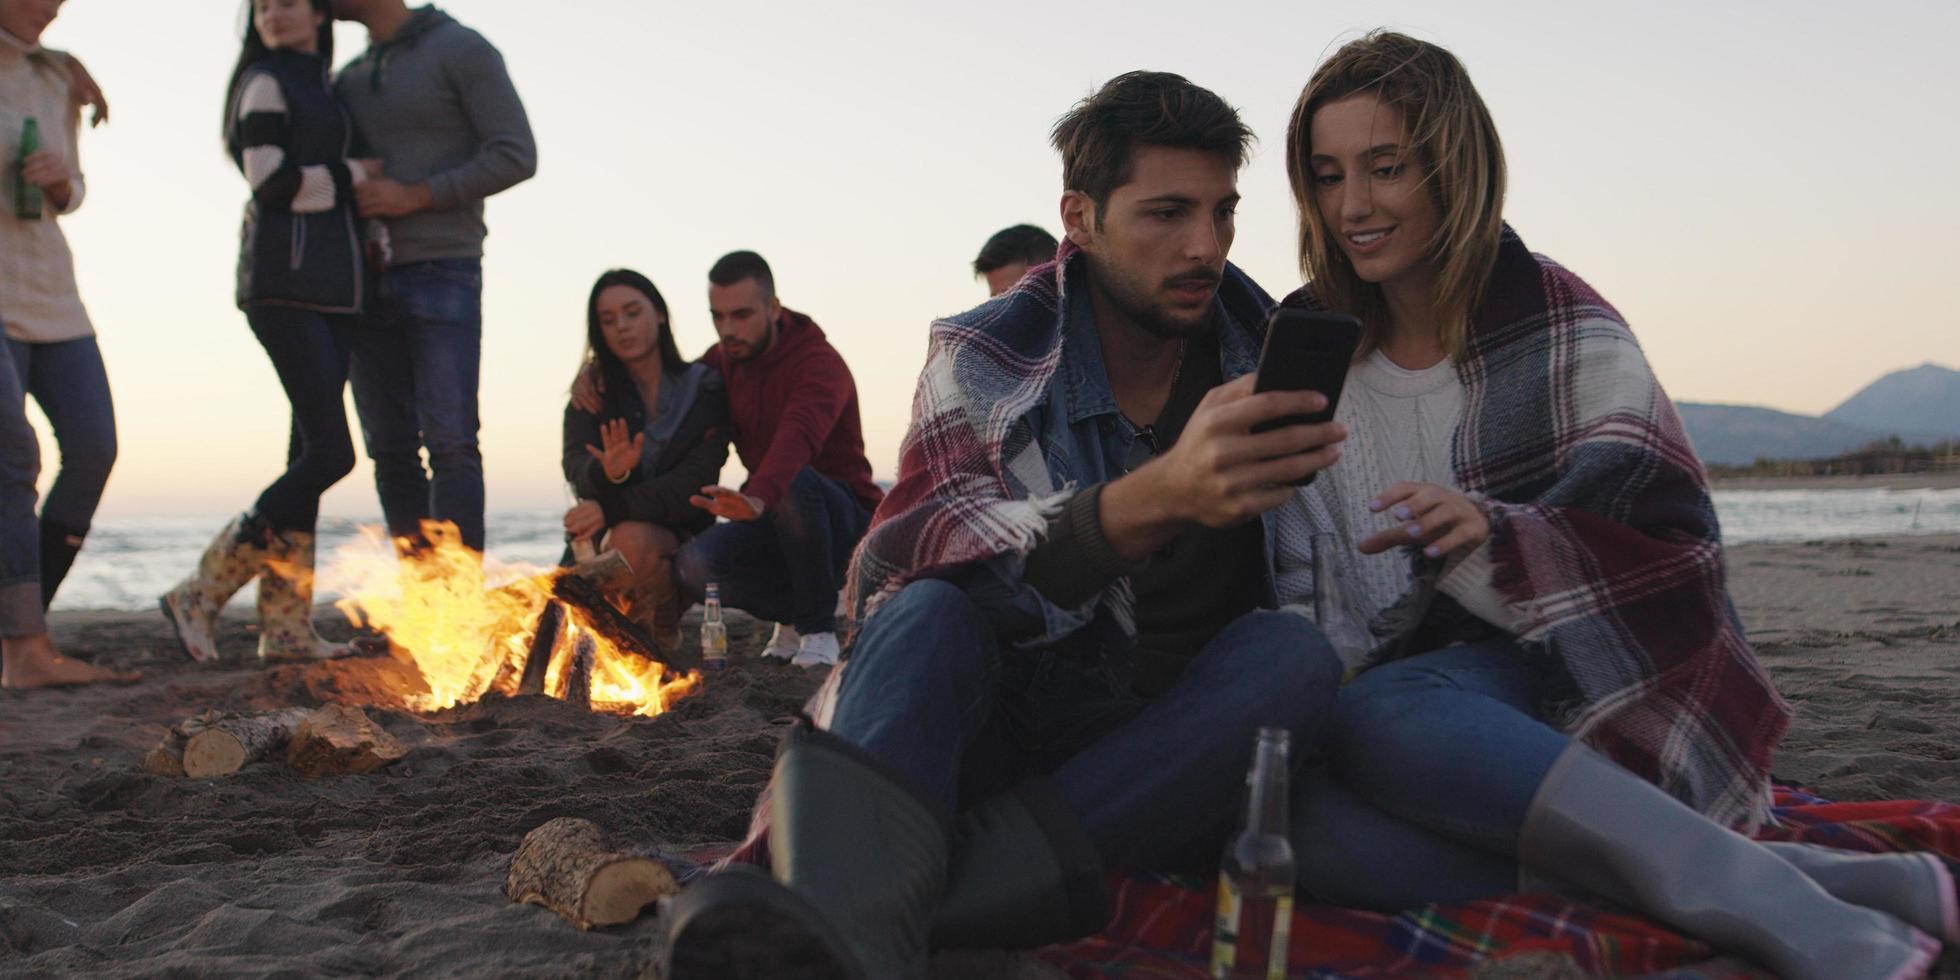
{"x":1067,"y":639}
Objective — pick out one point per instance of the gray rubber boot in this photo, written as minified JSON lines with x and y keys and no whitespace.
{"x":1601,"y":827}
{"x":1917,"y":886}
{"x":1023,"y":874}
{"x":858,"y":858}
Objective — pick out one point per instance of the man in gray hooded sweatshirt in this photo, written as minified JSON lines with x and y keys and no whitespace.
{"x":436,"y":105}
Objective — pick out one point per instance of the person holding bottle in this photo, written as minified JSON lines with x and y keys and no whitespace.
{"x":661,"y":434}
{"x":1550,"y":677}
{"x":49,"y":351}
{"x":301,"y":279}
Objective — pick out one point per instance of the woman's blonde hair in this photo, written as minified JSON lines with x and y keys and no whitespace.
{"x":1454,"y":147}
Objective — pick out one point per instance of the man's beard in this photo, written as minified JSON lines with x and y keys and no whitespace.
{"x":1153,"y":318}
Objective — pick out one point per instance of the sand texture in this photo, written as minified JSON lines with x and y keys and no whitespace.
{"x":107,"y":870}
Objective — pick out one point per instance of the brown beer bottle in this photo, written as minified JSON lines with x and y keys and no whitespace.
{"x":1255,"y":879}
{"x":27,"y":197}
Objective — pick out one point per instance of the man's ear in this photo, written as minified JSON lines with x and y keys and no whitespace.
{"x":1078,"y":218}
{"x":774,"y":310}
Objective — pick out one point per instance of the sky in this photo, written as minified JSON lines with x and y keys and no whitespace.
{"x":1764,"y":189}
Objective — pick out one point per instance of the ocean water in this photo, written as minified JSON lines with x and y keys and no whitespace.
{"x":130,"y":561}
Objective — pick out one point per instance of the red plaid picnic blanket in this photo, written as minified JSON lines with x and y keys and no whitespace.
{"x":1162,"y":927}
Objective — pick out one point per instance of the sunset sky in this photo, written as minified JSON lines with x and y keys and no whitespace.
{"x":1765,"y":190}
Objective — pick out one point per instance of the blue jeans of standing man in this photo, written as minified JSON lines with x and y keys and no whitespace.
{"x":307,"y":351}
{"x":1432,"y":763}
{"x":20,"y":466}
{"x":1159,"y":783}
{"x":70,"y":384}
{"x":786,"y":565}
{"x":414,"y":361}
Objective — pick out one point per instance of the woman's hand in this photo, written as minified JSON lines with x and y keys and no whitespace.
{"x":585,"y":521}
{"x":1443,"y":521}
{"x":621,"y":454}
{"x":47,"y":170}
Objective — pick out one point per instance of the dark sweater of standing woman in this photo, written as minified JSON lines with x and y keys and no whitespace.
{"x":686,"y":444}
{"x":302,"y":243}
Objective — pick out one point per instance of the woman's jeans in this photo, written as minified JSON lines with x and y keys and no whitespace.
{"x":934,"y":693}
{"x":308,"y":351}
{"x":68,"y":381}
{"x":1431,"y":765}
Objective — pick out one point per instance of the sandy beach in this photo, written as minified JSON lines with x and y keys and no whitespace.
{"x":106,"y":870}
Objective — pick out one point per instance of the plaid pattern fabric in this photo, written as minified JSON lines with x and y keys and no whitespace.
{"x":1162,"y":926}
{"x":1605,"y":558}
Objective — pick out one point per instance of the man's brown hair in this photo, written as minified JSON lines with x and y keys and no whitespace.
{"x":1099,"y":137}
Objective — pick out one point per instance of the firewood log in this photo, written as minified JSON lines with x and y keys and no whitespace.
{"x":565,"y":866}
{"x":578,"y":672}
{"x":227,"y":744}
{"x":623,"y":632}
{"x":167,"y":759}
{"x":544,"y":639}
{"x":609,"y":571}
{"x":340,"y":739}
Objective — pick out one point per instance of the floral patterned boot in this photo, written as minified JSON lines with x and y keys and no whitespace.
{"x":286,"y":603}
{"x":232,"y":559}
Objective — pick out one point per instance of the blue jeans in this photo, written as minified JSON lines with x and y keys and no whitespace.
{"x":20,"y":466}
{"x":1431,"y":766}
{"x":306,"y":351}
{"x":414,"y":360}
{"x":786,"y":566}
{"x":68,"y":381}
{"x":1158,"y":783}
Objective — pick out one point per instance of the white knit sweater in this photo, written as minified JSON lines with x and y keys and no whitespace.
{"x":1401,"y":425}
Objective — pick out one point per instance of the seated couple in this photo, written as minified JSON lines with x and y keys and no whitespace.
{"x":1073,"y":595}
{"x":647,"y":432}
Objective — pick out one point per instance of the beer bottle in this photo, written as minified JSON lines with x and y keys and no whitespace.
{"x":27,"y":197}
{"x":714,"y":633}
{"x":1255,"y":880}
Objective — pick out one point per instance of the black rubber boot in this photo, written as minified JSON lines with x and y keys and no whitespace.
{"x":858,"y":857}
{"x":1023,"y":873}
{"x":59,"y":546}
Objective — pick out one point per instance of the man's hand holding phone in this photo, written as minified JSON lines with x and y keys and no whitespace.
{"x":1220,"y":473}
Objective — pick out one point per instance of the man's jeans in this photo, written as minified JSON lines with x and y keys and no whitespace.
{"x":307,"y":351}
{"x":1159,"y":784}
{"x":1432,"y":763}
{"x":785,"y":566}
{"x":413,"y":361}
{"x":20,"y":466}
{"x":68,"y":381}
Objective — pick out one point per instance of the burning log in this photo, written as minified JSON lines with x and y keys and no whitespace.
{"x":339,"y":739}
{"x":215,"y":744}
{"x":578,"y":672}
{"x":544,"y":639}
{"x":565,"y":866}
{"x":582,"y":595}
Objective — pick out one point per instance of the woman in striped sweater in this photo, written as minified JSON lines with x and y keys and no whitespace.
{"x":301,"y":277}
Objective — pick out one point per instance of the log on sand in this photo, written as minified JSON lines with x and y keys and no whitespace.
{"x":565,"y":866}
{"x":339,"y":739}
{"x":625,"y":634}
{"x":218,"y":744}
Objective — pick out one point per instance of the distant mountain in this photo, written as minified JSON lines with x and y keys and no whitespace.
{"x":1924,"y":400}
{"x":1737,"y":435}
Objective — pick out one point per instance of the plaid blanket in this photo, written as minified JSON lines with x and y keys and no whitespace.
{"x":1604,"y":558}
{"x":1162,"y":924}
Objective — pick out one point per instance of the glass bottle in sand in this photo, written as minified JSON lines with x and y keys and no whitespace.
{"x":714,"y":633}
{"x":1255,"y":880}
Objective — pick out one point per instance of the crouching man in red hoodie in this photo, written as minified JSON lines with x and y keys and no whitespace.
{"x":809,"y":496}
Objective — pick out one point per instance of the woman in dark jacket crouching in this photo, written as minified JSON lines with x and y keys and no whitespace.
{"x":662,"y":436}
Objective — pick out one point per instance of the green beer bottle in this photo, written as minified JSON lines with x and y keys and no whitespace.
{"x":27,"y":197}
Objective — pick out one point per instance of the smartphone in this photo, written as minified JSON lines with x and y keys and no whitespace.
{"x":1306,"y":350}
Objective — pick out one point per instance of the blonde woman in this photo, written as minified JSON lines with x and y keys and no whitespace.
{"x":1549,"y":675}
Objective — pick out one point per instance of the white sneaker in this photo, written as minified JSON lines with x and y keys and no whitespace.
{"x":782,"y":643}
{"x":816,"y":650}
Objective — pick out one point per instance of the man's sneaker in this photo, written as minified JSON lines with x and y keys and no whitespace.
{"x":782,"y":643}
{"x":816,"y":650}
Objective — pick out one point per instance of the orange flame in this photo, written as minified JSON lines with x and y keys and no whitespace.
{"x":467,"y":621}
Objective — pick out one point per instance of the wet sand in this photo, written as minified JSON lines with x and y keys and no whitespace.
{"x":106,"y":870}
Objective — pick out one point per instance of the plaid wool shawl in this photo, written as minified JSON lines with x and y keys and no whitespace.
{"x":1605,"y":559}
{"x":975,"y":480}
